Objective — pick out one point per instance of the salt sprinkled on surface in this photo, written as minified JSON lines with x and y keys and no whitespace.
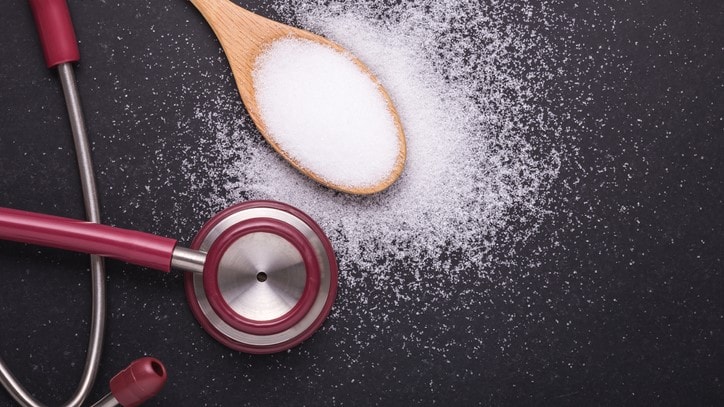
{"x":484,"y":150}
{"x":469,"y":160}
{"x":325,"y":112}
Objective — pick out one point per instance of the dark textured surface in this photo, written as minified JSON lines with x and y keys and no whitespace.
{"x":629,"y":312}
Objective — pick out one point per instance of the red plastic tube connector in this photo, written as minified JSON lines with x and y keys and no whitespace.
{"x":55,"y":29}
{"x":140,"y":381}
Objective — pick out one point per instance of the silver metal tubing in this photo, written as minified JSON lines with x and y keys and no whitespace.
{"x":188,"y":260}
{"x":80,"y":137}
{"x":16,"y":390}
{"x":90,"y":199}
{"x":92,"y":209}
{"x":107,"y":401}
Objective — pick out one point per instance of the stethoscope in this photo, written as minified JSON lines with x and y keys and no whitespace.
{"x":261,"y":276}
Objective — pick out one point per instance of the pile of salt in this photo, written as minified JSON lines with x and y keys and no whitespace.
{"x":326,"y":113}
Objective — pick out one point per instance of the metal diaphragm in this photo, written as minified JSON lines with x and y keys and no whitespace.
{"x":269,"y":280}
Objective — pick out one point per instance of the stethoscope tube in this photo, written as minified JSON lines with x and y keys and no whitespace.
{"x":92,"y":209}
{"x":97,"y":265}
{"x":60,"y":50}
{"x":144,"y":377}
{"x":143,"y":249}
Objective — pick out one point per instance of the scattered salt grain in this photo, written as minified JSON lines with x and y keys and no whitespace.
{"x":484,"y":147}
{"x":325,"y":112}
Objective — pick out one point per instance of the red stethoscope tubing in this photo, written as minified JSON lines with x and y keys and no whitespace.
{"x":143,"y":249}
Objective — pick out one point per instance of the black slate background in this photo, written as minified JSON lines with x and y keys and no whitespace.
{"x":647,"y":242}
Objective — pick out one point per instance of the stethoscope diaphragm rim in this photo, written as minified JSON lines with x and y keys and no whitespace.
{"x":270,"y":342}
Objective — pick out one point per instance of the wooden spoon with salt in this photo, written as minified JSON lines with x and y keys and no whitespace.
{"x":244,"y":36}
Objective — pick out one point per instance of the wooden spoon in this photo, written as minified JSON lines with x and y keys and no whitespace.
{"x":244,"y":36}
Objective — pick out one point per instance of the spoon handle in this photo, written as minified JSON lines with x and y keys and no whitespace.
{"x":205,"y":6}
{"x":240,"y":32}
{"x":226,"y":17}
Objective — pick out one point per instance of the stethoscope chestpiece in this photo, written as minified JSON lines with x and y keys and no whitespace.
{"x":269,"y":279}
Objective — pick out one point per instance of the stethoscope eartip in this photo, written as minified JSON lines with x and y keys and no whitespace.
{"x":140,"y":381}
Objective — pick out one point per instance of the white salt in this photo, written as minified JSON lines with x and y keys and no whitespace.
{"x":325,"y":112}
{"x":485,"y":142}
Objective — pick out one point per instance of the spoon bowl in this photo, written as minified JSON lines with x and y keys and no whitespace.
{"x":245,"y":36}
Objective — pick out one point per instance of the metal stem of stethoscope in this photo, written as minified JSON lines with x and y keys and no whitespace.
{"x":90,"y":199}
{"x":92,"y":208}
{"x":62,"y":56}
